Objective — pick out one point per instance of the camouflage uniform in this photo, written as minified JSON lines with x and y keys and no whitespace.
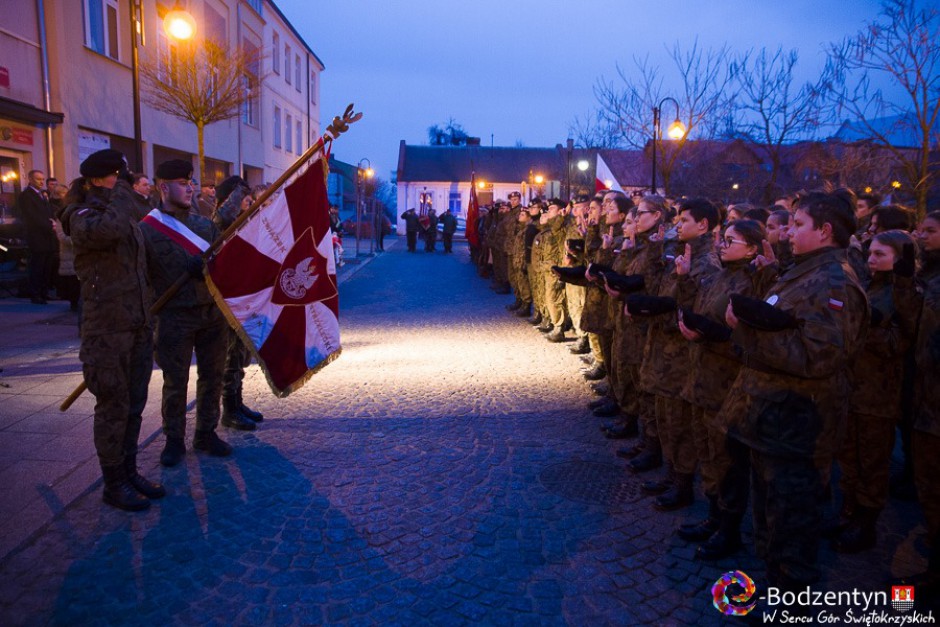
{"x":550,"y":245}
{"x":875,"y":403}
{"x":787,"y":405}
{"x":190,"y":321}
{"x":595,"y":317}
{"x":712,"y":368}
{"x":575,"y":295}
{"x":517,"y":262}
{"x":926,"y":439}
{"x":449,"y":221}
{"x":116,"y":350}
{"x":666,"y":355}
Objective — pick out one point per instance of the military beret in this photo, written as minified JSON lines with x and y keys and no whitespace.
{"x":573,"y":275}
{"x":706,"y":327}
{"x":174,"y":169}
{"x":103,"y":163}
{"x":226,"y":187}
{"x":575,"y":245}
{"x":643,"y":305}
{"x":761,"y":315}
{"x":580,"y":199}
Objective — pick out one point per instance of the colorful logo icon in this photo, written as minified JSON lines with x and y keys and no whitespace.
{"x":902,"y":598}
{"x":734,"y":594}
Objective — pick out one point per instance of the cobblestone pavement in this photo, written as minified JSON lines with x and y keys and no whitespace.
{"x":445,"y":470}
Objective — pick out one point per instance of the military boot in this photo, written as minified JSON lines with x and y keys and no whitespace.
{"x":588,"y":360}
{"x":232,"y":417}
{"x":724,"y":542}
{"x":703,"y":529}
{"x":599,"y":402}
{"x":650,"y":458}
{"x":606,"y":410}
{"x":581,"y":347}
{"x":173,"y":452}
{"x":516,"y":304}
{"x":119,"y":493}
{"x":556,"y":336}
{"x":523,"y":311}
{"x":247,"y":411}
{"x":545,"y":327}
{"x":536,"y":318}
{"x":679,"y":495}
{"x":631,"y":452}
{"x":660,"y":485}
{"x":150,"y":489}
{"x":211,"y":443}
{"x":600,"y":388}
{"x":596,"y":373}
{"x":626,"y":429}
{"x":860,"y":534}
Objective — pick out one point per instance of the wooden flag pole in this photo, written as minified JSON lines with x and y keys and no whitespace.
{"x":339,"y":126}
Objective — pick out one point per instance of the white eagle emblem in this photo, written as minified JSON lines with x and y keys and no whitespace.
{"x":296,"y":281}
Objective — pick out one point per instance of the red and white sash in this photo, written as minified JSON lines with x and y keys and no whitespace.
{"x":176,"y":231}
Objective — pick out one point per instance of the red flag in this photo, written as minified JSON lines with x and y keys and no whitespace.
{"x":604,"y":178}
{"x":471,"y":229}
{"x":275,"y":281}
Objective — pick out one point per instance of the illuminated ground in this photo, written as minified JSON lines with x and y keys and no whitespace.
{"x":443,"y":471}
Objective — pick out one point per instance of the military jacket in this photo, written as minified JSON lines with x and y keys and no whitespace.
{"x":642,"y":259}
{"x":450,"y":223}
{"x":665,"y":356}
{"x":713,"y":365}
{"x":411,"y":221}
{"x":167,"y":261}
{"x":110,"y":261}
{"x":927,"y":349}
{"x":789,"y":398}
{"x":549,"y":242}
{"x":876,"y":373}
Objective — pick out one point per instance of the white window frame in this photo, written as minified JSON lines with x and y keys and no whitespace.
{"x":297,"y":72}
{"x":106,"y":43}
{"x":313,"y":87}
{"x":288,"y":135}
{"x":287,"y":63}
{"x":275,"y":52}
{"x":300,"y":137}
{"x":277,"y":126}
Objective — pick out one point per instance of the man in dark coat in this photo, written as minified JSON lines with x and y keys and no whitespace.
{"x":449,"y":222}
{"x":35,"y":212}
{"x":411,"y":229}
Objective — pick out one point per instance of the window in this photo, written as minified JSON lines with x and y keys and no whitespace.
{"x":287,"y":63}
{"x":167,"y":59}
{"x":313,"y":87}
{"x":101,"y":27}
{"x":276,"y":52}
{"x":277,"y":127}
{"x":249,"y":84}
{"x":300,"y":137}
{"x":248,"y":109}
{"x":297,"y":71}
{"x":454,"y":202}
{"x":288,"y":133}
{"x":215,"y":27}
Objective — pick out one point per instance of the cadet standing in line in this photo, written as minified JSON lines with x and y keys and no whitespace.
{"x":411,"y":229}
{"x":449,"y":223}
{"x":190,"y":321}
{"x":117,"y":340}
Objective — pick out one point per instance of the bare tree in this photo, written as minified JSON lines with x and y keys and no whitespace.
{"x":625,"y":108}
{"x":902,"y":47}
{"x":594,"y":131}
{"x":201,"y":83}
{"x":770,"y":110}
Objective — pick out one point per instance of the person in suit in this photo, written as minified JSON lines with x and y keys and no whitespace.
{"x":35,"y":212}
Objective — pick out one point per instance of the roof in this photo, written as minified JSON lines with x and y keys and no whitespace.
{"x":901,"y":131}
{"x":497,"y":164}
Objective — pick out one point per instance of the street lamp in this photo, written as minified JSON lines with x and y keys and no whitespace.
{"x":676,"y":131}
{"x":179,"y":24}
{"x":361,"y":176}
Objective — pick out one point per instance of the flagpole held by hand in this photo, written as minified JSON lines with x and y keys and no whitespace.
{"x":337,"y":127}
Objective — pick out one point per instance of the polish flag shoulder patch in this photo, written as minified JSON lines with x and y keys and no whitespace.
{"x":836,"y":304}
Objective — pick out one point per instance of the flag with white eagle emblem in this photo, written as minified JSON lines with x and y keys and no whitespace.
{"x":275,"y":281}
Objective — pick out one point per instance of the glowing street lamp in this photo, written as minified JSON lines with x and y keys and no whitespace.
{"x":676,"y":130}
{"x":362,"y":175}
{"x":179,"y":24}
{"x":583,"y":165}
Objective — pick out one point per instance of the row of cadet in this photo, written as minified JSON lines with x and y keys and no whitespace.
{"x":753,"y":347}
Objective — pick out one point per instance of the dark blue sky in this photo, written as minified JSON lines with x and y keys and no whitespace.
{"x":522,"y":70}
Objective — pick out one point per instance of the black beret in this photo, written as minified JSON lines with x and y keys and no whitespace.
{"x":575,"y":245}
{"x":102,"y":163}
{"x":573,"y":275}
{"x":643,"y":305}
{"x":174,"y":169}
{"x":624,"y":283}
{"x":580,"y":199}
{"x":706,"y":327}
{"x":761,"y":315}
{"x":226,"y":187}
{"x":515,"y":195}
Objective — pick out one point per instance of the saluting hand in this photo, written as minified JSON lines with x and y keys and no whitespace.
{"x":767,"y":256}
{"x":730,"y":318}
{"x":684,"y":261}
{"x":659,"y":235}
{"x":607,"y":239}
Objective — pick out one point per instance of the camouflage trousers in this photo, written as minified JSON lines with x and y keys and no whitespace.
{"x":554,"y":298}
{"x":734,"y":485}
{"x":710,"y":448}
{"x":117,"y":369}
{"x":538,"y":289}
{"x":926,"y":450}
{"x":204,"y":331}
{"x":237,"y":358}
{"x":500,"y":267}
{"x":646,"y":405}
{"x":674,"y":422}
{"x":596,"y":342}
{"x":575,"y":296}
{"x":788,"y":501}
{"x":522,"y":287}
{"x":865,"y":459}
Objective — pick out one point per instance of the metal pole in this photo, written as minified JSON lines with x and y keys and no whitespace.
{"x":655,"y":126}
{"x":46,"y":93}
{"x":358,"y":208}
{"x":135,"y":73}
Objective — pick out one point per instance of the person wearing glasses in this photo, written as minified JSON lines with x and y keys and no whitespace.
{"x":175,"y":235}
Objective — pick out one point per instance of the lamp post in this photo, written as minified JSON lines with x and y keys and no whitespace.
{"x":570,"y":149}
{"x":583,"y":166}
{"x":361,"y":176}
{"x":676,"y":131}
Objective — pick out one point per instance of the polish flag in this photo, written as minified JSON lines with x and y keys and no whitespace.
{"x":275,"y":281}
{"x":604,"y":178}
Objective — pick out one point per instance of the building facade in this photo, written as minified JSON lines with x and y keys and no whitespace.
{"x":81,"y":99}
